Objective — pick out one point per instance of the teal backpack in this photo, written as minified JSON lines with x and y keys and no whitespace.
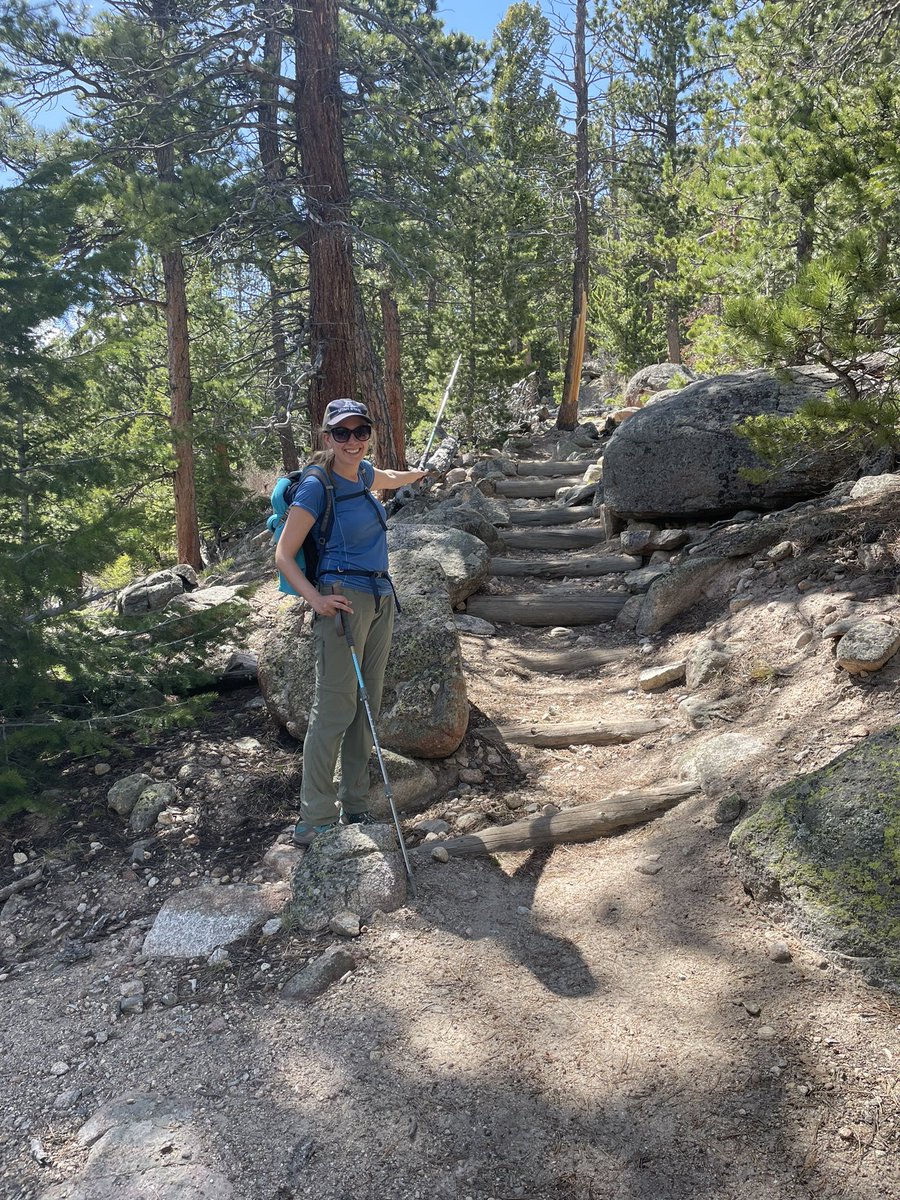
{"x":313,"y":549}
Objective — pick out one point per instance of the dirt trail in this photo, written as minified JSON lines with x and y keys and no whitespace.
{"x":600,"y":1022}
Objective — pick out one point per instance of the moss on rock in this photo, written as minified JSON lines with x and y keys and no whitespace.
{"x":828,"y":844}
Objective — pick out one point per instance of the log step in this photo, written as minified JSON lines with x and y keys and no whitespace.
{"x":576,"y":567}
{"x":533,"y":489}
{"x":548,"y":516}
{"x":577,"y":733}
{"x":564,"y":662}
{"x":554,"y":539}
{"x":581,"y":824}
{"x":554,"y":469}
{"x":545,"y":609}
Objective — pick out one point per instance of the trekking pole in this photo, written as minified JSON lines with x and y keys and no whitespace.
{"x":344,"y":631}
{"x":447,"y":391}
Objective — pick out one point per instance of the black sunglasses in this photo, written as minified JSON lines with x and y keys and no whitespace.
{"x":341,"y":433}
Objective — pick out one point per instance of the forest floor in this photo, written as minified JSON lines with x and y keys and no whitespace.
{"x":605,"y":1021}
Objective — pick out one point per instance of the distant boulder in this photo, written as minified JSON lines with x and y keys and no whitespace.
{"x":155,"y":591}
{"x":682,"y":458}
{"x":658,"y":377}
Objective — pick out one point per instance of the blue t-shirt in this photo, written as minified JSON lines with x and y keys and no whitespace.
{"x":357,"y":539}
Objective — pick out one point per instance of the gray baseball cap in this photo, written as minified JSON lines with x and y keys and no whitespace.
{"x":339,"y":410}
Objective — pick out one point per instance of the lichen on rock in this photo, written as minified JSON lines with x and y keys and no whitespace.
{"x":828,"y":845}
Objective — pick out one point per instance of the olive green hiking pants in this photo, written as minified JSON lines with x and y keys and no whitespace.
{"x":338,"y":719}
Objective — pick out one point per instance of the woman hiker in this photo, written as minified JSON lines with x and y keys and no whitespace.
{"x":353,"y":580}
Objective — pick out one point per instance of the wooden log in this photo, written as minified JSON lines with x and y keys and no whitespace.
{"x":554,"y":469}
{"x":577,"y":567}
{"x":577,"y":733}
{"x":582,"y":824}
{"x":548,"y":516}
{"x":554,"y":539}
{"x":532,"y":489}
{"x":568,"y":661}
{"x":19,"y":885}
{"x":541,"y":608}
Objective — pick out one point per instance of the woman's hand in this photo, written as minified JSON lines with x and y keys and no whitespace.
{"x":330,"y":606}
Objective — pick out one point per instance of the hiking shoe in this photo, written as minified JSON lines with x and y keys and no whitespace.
{"x":305,"y":835}
{"x":363,"y":818}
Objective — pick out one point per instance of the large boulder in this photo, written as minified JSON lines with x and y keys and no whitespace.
{"x":682,"y":457}
{"x":828,"y":846}
{"x":424,"y":710}
{"x":463,"y":557}
{"x":446,"y":515}
{"x":658,"y":377}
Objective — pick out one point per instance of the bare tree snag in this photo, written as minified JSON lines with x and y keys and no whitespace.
{"x":578,"y":733}
{"x":583,"y":824}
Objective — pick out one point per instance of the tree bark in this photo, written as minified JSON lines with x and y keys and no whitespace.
{"x":187,"y":530}
{"x":581,"y":824}
{"x":274,"y":174}
{"x":181,"y":414}
{"x":579,"y":733}
{"x":317,"y":110}
{"x":568,"y":411}
{"x":393,"y":382}
{"x":370,"y":389}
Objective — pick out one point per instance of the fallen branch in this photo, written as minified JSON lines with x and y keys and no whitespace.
{"x":579,"y":733}
{"x":19,"y":885}
{"x":582,"y":824}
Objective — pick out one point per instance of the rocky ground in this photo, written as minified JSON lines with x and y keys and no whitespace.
{"x":607,"y":1021}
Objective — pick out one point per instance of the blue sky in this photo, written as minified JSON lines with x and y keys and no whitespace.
{"x":478,"y":17}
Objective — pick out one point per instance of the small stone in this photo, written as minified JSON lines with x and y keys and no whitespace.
{"x":804,"y":639}
{"x":218,"y":957}
{"x":19,"y":859}
{"x":471,"y":775}
{"x":345,"y":924}
{"x":766,"y":1033}
{"x":779,"y":952}
{"x":655,"y":678}
{"x":523,"y":910}
{"x":561,"y":631}
{"x":752,"y":1008}
{"x":549,"y":810}
{"x":217,"y":1025}
{"x":435,"y":826}
{"x":248,"y":745}
{"x":272,"y":927}
{"x":66,"y":1099}
{"x":845,"y":1133}
{"x":131,"y":1005}
{"x":318,"y":974}
{"x":131,"y":987}
{"x":169,"y":999}
{"x":59,"y":1068}
{"x":102,"y":768}
{"x":224,"y":761}
{"x":440,"y":854}
{"x":648,"y":866}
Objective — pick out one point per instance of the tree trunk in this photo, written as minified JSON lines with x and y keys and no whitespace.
{"x":187,"y":531}
{"x":317,"y":110}
{"x":369,"y":386}
{"x":545,"y":609}
{"x":673,"y":331}
{"x":568,"y":410}
{"x":393,"y":382}
{"x":181,"y":417}
{"x":274,"y":174}
{"x":579,"y":733}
